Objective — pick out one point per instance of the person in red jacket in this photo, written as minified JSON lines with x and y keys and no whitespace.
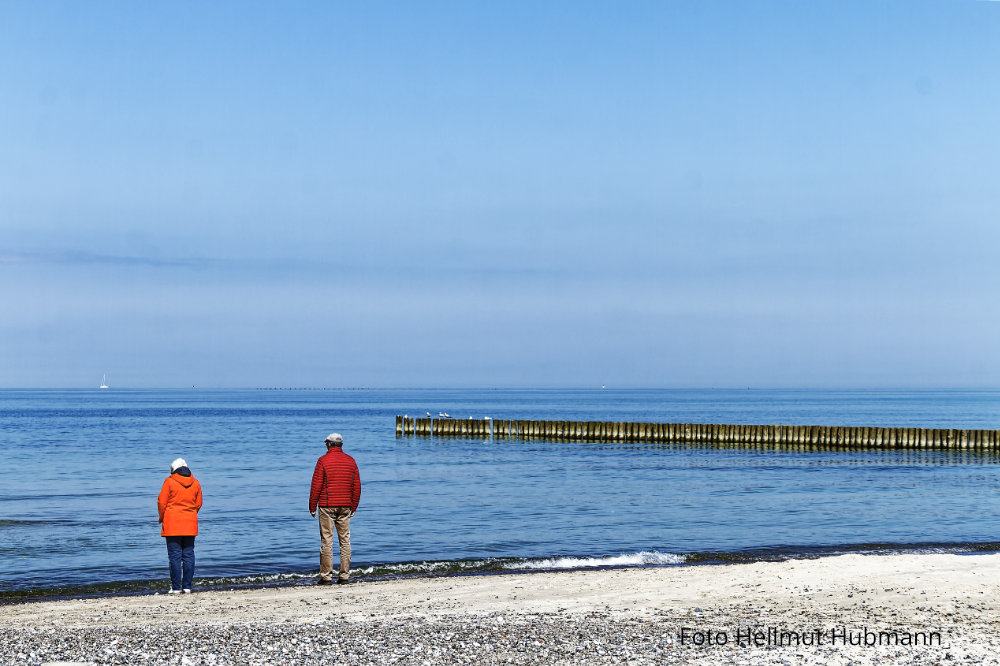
{"x":335,"y":491}
{"x":179,"y":503}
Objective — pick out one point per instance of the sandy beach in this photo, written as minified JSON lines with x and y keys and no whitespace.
{"x":859,"y":609}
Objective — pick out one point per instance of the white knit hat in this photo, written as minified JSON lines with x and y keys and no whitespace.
{"x":334,"y":438}
{"x":177,"y":464}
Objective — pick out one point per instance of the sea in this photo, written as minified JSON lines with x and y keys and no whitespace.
{"x":80,"y":471}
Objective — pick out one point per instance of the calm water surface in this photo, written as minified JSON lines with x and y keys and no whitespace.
{"x":82,"y":468}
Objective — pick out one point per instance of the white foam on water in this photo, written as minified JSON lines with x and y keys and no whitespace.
{"x":426,"y":567}
{"x":640,"y":559}
{"x":255,"y":578}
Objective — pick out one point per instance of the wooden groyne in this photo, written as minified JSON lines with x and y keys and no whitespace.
{"x":701,"y":433}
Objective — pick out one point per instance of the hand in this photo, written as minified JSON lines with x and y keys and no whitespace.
{"x":352,"y":514}
{"x":312,"y":513}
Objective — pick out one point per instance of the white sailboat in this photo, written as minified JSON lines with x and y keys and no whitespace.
{"x":104,"y":382}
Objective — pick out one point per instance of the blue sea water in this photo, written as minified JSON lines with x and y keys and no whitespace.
{"x":80,"y":471}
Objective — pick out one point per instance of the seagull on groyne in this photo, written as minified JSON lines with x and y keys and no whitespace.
{"x":444,"y":415}
{"x":428,"y":414}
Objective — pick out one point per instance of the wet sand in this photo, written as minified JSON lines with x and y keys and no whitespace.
{"x":912,"y":609}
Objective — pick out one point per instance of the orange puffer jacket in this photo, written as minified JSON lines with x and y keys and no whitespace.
{"x":179,"y":502}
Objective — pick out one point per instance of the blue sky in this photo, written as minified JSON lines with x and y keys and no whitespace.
{"x":662,"y":194}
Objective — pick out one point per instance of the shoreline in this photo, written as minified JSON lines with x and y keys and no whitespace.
{"x":497,"y":566}
{"x":644,"y":615}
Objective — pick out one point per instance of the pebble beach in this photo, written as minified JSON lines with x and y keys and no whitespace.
{"x":847,"y":609}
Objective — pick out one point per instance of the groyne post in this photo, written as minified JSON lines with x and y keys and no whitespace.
{"x":801,"y":437}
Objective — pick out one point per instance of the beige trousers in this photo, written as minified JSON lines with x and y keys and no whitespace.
{"x":330,"y":518}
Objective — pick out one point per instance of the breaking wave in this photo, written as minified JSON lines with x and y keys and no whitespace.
{"x":646,"y":558}
{"x":502,"y":564}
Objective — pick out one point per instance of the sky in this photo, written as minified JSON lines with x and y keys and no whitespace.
{"x":721,"y":193}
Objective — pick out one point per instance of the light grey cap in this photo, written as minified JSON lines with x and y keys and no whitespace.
{"x":334,"y":438}
{"x":177,"y":464}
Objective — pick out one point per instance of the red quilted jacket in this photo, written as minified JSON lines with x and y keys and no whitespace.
{"x":335,"y":481}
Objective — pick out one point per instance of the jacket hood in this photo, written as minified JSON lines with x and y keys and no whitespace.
{"x":182,"y":475}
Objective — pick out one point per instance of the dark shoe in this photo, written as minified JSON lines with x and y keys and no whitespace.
{"x":342,"y":581}
{"x":324,"y":581}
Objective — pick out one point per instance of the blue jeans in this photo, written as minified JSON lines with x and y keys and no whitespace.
{"x":180,"y":551}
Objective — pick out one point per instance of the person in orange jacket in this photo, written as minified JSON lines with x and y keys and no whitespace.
{"x":179,"y":503}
